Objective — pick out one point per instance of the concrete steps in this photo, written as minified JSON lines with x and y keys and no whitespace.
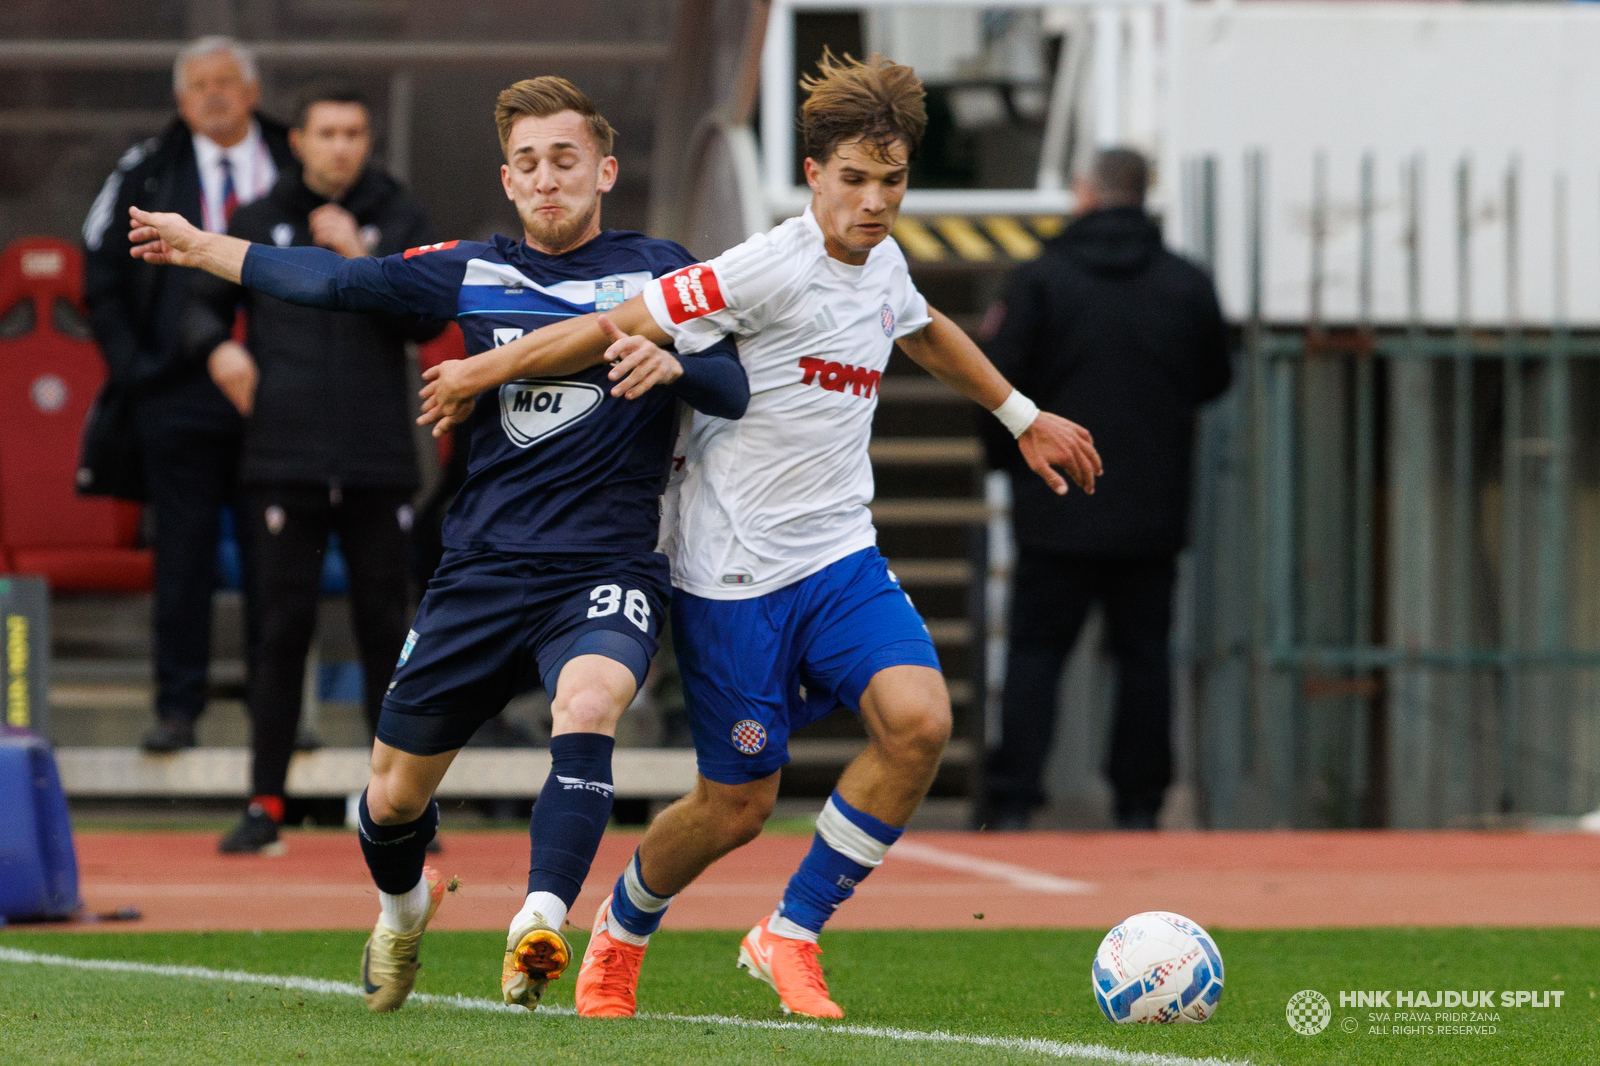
{"x":477,"y":773}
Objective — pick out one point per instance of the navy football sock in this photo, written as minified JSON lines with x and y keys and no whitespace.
{"x":395,"y":853}
{"x":571,"y":813}
{"x":848,"y":845}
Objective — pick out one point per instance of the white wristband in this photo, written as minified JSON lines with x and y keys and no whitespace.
{"x":1017,"y":413}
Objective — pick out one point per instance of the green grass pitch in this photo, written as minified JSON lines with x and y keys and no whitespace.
{"x":997,"y":983}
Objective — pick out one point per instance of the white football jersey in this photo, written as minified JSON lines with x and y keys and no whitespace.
{"x":760,"y":502}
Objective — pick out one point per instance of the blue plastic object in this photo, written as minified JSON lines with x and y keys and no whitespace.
{"x":38,"y":868}
{"x":230,"y":560}
{"x":340,"y":683}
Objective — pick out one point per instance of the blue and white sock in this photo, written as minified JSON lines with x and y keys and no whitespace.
{"x":569,"y":818}
{"x":636,"y":912}
{"x":849,"y":844}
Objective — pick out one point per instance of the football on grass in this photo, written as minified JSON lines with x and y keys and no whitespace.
{"x":1157,"y":967}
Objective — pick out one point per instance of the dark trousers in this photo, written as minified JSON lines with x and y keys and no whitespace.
{"x":288,"y":529}
{"x":191,"y":473}
{"x":1050,"y":597}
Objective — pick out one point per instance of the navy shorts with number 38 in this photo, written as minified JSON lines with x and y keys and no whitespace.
{"x":492,"y":625}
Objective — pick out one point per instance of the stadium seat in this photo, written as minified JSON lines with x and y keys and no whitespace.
{"x":50,"y":372}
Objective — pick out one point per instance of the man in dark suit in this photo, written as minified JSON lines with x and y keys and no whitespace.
{"x":1109,"y":329}
{"x":216,"y":156}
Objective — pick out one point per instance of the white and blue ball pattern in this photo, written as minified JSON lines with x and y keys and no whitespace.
{"x":1157,"y":967}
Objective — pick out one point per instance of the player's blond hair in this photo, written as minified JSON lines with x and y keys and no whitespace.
{"x":876,"y":102}
{"x":549,"y":95}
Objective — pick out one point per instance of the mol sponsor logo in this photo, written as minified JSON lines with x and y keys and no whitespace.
{"x":837,"y":377}
{"x":534,"y":409}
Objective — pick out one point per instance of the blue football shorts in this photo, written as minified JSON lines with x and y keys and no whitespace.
{"x":745,"y":662}
{"x":492,"y":625}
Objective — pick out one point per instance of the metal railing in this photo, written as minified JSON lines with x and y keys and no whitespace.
{"x":1393,"y":530}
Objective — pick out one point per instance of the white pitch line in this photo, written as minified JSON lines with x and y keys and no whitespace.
{"x":1054,"y":1048}
{"x":1020,"y":876}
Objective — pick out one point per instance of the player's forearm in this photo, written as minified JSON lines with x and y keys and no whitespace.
{"x":713,"y":383}
{"x":561,"y":348}
{"x":556,"y":350}
{"x":944,"y":350}
{"x":220,"y":254}
{"x":320,"y":278}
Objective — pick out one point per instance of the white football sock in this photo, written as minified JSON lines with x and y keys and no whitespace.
{"x":547,"y":906}
{"x":403,"y":913}
{"x":778,"y":925}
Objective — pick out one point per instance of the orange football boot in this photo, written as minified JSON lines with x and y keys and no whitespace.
{"x":792,"y":968}
{"x":609,"y":977}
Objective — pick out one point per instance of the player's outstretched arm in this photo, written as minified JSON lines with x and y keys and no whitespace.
{"x":308,"y":276}
{"x":172,"y":240}
{"x":552,"y":351}
{"x":1048,"y":441}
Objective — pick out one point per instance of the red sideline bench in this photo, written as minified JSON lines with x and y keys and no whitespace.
{"x":50,"y":372}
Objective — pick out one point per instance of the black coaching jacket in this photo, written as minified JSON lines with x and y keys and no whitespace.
{"x":333,"y":406}
{"x":1111,"y":330}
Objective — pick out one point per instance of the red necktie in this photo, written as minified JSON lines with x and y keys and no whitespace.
{"x":230,"y":195}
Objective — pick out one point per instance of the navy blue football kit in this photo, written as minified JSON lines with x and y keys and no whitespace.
{"x":549,"y":545}
{"x":550,"y":542}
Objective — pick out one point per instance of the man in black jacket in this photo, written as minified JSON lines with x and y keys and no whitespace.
{"x":1110,"y":329}
{"x":216,"y":156}
{"x":328,"y":438}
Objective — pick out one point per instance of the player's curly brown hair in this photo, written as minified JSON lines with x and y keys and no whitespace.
{"x":876,"y":102}
{"x":548,"y":95}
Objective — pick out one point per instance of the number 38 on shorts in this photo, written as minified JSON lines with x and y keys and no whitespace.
{"x":607,"y":599}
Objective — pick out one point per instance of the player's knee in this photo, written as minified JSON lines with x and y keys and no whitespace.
{"x":930,"y":728}
{"x":742,"y":812}
{"x":918,"y":732}
{"x":591,"y":709}
{"x":391,"y":800}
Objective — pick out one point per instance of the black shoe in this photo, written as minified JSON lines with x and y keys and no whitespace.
{"x":435,"y":846}
{"x":169,"y":735}
{"x":306,"y":740}
{"x":1136,"y":821}
{"x":255,"y":832}
{"x":1001,"y":818}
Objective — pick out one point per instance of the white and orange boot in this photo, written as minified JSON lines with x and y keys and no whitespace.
{"x":536,"y":954}
{"x":608,"y":980}
{"x":792,"y":967}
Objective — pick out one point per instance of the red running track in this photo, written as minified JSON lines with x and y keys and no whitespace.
{"x":930,"y":880}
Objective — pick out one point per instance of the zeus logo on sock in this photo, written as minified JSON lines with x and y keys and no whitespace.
{"x":570,"y":783}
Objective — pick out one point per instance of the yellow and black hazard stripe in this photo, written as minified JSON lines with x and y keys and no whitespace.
{"x":974,"y":241}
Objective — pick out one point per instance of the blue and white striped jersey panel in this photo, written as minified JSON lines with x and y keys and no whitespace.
{"x":491,"y":288}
